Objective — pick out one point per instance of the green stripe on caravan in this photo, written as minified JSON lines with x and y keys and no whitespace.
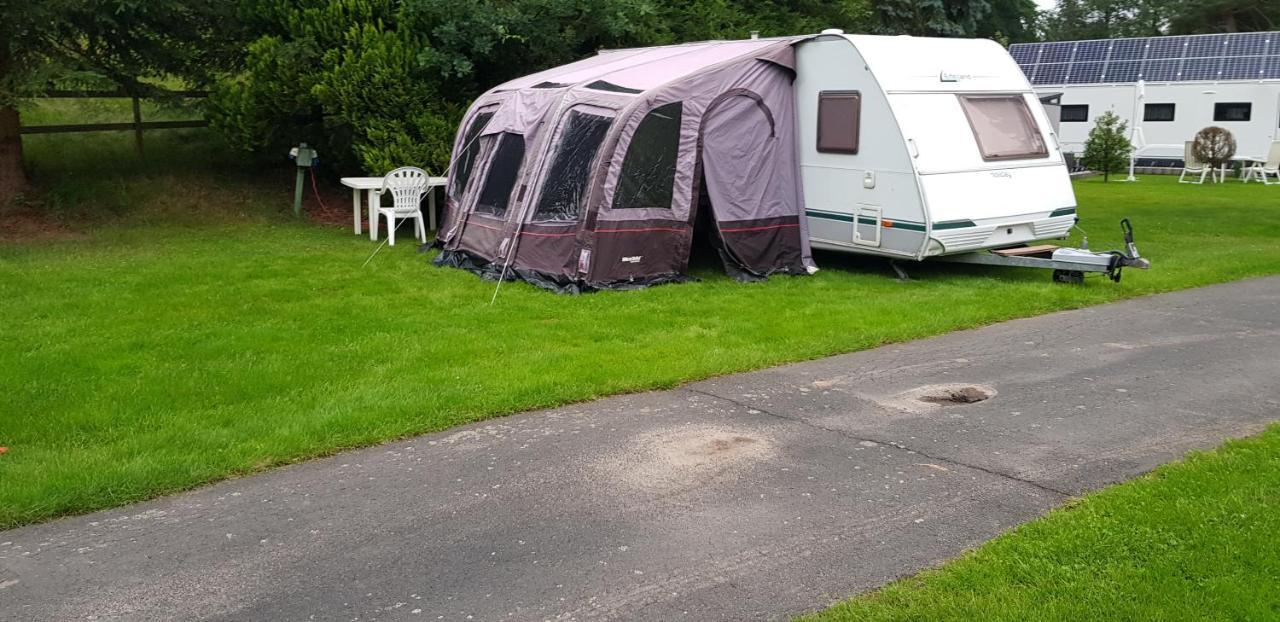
{"x":1062,"y":211}
{"x":862,"y":220}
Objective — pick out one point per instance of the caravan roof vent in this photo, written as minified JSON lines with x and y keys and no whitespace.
{"x":833,"y":31}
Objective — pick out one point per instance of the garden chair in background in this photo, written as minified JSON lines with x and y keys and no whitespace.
{"x":407,"y":185}
{"x":1264,"y":171}
{"x":1192,"y":165}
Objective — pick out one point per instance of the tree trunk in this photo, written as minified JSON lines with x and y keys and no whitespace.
{"x":13,"y":178}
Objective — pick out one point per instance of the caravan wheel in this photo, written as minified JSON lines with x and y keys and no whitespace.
{"x":1074,"y":277}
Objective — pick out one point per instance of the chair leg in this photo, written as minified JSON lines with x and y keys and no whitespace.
{"x":391,"y":229}
{"x":422,"y":229}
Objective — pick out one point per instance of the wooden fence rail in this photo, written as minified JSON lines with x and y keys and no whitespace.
{"x":138,"y":126}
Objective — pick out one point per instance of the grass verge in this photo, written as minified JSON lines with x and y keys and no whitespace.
{"x":1193,"y":540}
{"x":197,"y":333}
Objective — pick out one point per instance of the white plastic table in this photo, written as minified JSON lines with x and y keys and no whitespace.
{"x":370,"y":186}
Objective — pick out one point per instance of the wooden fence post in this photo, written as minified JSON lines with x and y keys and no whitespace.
{"x":137,"y":125}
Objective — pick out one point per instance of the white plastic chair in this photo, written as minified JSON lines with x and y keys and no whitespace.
{"x":1264,"y":171}
{"x":1190,"y":164}
{"x":406,"y":185}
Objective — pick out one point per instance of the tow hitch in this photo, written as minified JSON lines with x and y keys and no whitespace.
{"x":1069,"y":265}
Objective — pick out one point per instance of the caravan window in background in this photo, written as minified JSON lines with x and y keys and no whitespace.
{"x":501,"y":179}
{"x":467,"y":158}
{"x":1003,"y":127}
{"x":566,"y":183}
{"x":649,"y":168}
{"x":1236,"y":111}
{"x":839,"y":118}
{"x":1073,"y":113}
{"x":1157,"y":112}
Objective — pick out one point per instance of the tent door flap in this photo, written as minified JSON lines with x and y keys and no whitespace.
{"x":867,"y":220}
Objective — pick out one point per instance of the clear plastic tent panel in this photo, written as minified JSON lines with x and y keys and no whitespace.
{"x":566,"y":183}
{"x":501,"y":180}
{"x":649,"y":168}
{"x":467,"y":159}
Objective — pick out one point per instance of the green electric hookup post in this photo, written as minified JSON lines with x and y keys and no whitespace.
{"x":305,"y":157}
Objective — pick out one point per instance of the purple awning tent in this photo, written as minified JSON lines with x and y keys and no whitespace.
{"x":589,"y":175}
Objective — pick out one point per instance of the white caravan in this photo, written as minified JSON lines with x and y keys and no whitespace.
{"x":917,"y":148}
{"x":1167,"y":115}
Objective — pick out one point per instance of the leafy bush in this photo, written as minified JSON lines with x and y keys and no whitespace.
{"x":375,"y":84}
{"x":1107,"y":149}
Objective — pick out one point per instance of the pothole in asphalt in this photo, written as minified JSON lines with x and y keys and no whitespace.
{"x":929,"y":398}
{"x":962,"y":395}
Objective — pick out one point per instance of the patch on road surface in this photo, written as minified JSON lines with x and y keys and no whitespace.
{"x":929,"y":398}
{"x":686,"y":456}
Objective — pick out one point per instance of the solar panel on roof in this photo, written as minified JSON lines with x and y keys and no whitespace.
{"x":1200,"y":69}
{"x":1122,"y":71}
{"x":1088,"y":51}
{"x":1271,"y":67}
{"x":1205,"y":46}
{"x":1128,"y":49}
{"x":1166,"y":47}
{"x":1055,"y":73}
{"x":1160,"y":70}
{"x":1241,"y":68}
{"x":1247,"y":44}
{"x":1234,"y":56}
{"x":1085,"y":73}
{"x":1056,"y":52}
{"x":1023,"y":54}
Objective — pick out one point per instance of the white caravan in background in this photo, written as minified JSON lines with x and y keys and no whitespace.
{"x":918,"y":148}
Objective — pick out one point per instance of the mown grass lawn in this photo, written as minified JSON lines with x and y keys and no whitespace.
{"x":198,"y":333}
{"x":1192,"y":541}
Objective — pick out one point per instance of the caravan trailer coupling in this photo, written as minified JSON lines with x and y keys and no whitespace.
{"x":1069,"y":265}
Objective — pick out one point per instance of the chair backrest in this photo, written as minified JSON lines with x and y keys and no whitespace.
{"x":1273,"y":156}
{"x":406,"y":184}
{"x":1189,"y":158}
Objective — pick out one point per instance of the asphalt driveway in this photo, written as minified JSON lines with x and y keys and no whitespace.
{"x":754,"y":496}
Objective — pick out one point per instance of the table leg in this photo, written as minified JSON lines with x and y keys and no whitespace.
{"x":355,"y":209}
{"x":373,"y":200}
{"x":431,"y":207}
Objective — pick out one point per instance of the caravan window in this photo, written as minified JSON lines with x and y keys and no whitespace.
{"x":467,"y":159}
{"x":649,"y":168}
{"x":839,"y":117}
{"x":1157,"y":112}
{"x":566,"y":181}
{"x":1003,"y":127}
{"x":1074,"y":113}
{"x":503,"y":172}
{"x":1232,"y":111}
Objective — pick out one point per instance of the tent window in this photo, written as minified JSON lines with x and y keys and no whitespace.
{"x":1240,"y":111}
{"x":566,"y":181}
{"x":467,"y":159}
{"x":502,"y":175}
{"x":649,"y":168}
{"x":1157,"y":112}
{"x":601,"y":85}
{"x":1003,"y":127}
{"x":1074,"y":113}
{"x":839,"y":118}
